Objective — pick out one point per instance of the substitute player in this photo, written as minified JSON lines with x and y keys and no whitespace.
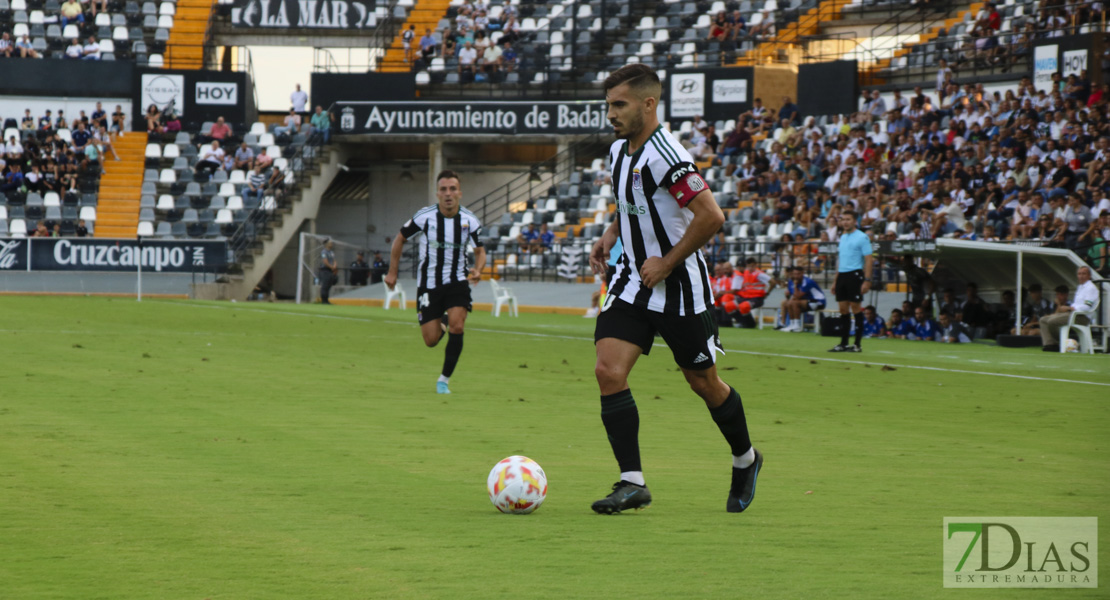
{"x":802,"y":295}
{"x":443,"y":282}
{"x":665,"y":214}
{"x":853,"y":279}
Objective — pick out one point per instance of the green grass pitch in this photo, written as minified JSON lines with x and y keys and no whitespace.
{"x":181,"y":450}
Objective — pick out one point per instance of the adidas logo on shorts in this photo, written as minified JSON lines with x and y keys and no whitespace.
{"x":701,"y":358}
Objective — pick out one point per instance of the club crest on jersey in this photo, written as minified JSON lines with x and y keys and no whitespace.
{"x":637,"y":181}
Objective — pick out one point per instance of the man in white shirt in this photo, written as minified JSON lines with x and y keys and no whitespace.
{"x":74,"y":49}
{"x":211,"y":158}
{"x":468,"y":56}
{"x":91,"y":51}
{"x":1085,"y":303}
{"x":299,"y":99}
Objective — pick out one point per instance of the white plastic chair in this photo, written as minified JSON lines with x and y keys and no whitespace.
{"x":1086,"y":341}
{"x":397,"y":292}
{"x":502,"y":296}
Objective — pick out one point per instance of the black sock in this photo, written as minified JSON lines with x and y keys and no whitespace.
{"x":451,"y":354}
{"x":622,"y":424}
{"x":845,"y":327}
{"x":730,"y":419}
{"x":859,"y":327}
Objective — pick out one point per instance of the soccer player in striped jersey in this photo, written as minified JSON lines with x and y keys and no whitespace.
{"x":443,"y":281}
{"x":665,"y":215}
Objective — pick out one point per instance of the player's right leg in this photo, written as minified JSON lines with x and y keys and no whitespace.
{"x":622,"y":334}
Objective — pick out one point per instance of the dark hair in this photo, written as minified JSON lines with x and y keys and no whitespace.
{"x":899,"y":311}
{"x":848,"y":213}
{"x":945,"y":313}
{"x":447,"y":174}
{"x":750,"y":261}
{"x":1036,"y":287}
{"x":636,"y":75}
{"x":1061,"y":289}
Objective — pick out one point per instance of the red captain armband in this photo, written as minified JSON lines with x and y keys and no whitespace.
{"x":684,"y":182}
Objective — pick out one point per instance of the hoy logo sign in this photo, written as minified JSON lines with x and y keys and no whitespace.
{"x":217,"y":93}
{"x":1021,"y":552}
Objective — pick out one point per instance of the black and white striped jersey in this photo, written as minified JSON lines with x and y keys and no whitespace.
{"x":444,"y":245}
{"x":652,"y":188}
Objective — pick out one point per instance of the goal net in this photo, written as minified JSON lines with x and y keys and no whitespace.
{"x":310,"y":260}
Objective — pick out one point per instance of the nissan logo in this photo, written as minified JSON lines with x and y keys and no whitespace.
{"x":687,"y":86}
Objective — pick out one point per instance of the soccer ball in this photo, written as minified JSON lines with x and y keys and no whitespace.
{"x":517,"y":485}
{"x":1071,"y":346}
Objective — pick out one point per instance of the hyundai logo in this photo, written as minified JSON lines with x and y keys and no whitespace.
{"x":687,"y":86}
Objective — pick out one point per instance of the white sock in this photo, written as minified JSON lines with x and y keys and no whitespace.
{"x":636,"y":477}
{"x":443,"y":379}
{"x":745,"y":461}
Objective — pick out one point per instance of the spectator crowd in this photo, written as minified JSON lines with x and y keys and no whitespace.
{"x":54,"y":154}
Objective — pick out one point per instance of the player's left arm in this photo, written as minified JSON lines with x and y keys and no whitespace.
{"x":868,"y":263}
{"x":707,"y":221}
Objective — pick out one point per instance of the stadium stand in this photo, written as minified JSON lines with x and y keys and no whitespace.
{"x":178,"y":201}
{"x":169,"y":33}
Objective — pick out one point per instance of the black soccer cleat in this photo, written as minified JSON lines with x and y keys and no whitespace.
{"x":625,"y":496}
{"x":743,"y":485}
{"x":843,"y":348}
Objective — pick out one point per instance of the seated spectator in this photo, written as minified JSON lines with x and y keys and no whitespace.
{"x":82,"y":230}
{"x":276,"y":184}
{"x":873,"y":324}
{"x":1085,"y":304}
{"x":212,"y":158}
{"x":255,"y":186}
{"x":491,"y":59}
{"x":81,"y":137}
{"x":321,"y":124}
{"x":91,"y":51}
{"x":173,"y":122}
{"x":448,"y":48}
{"x":46,"y":122}
{"x":6,"y":45}
{"x":508,"y":56}
{"x":13,"y":180}
{"x":545,"y":240}
{"x":74,"y":49}
{"x":221,"y":131}
{"x":98,"y":118}
{"x":104,"y":140}
{"x":1035,"y":307}
{"x":528,"y":238}
{"x":71,"y":12}
{"x":468,"y":57}
{"x":802,"y":295}
{"x":244,"y":157}
{"x":13,"y":150}
{"x":119,"y":120}
{"x":229,"y":162}
{"x":92,"y":156}
{"x":40,"y":230}
{"x":924,"y":328}
{"x":719,"y":30}
{"x":153,"y":119}
{"x":25,"y":49}
{"x":951,"y":331}
{"x":292,"y":124}
{"x":263,"y":159}
{"x":974,"y":310}
{"x":428,"y":45}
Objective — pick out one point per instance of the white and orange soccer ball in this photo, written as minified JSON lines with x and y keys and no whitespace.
{"x":517,"y":485}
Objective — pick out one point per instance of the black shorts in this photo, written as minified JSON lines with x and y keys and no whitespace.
{"x":849,"y":286}
{"x":431,"y":304}
{"x":693,"y":339}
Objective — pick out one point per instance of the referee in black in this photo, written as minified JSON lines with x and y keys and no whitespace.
{"x":853,"y":279}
